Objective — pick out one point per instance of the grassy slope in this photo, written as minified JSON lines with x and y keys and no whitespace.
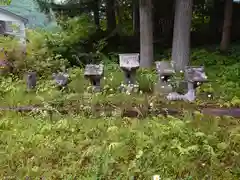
{"x":96,"y":146}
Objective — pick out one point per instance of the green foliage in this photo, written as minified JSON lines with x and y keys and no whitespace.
{"x":222,"y":70}
{"x":8,"y":43}
{"x":5,"y":2}
{"x":214,"y":58}
{"x":73,"y":41}
{"x":106,"y":148}
{"x":146,"y":79}
{"x":47,"y":52}
{"x":93,"y":141}
{"x":87,"y":136}
{"x":39,"y":57}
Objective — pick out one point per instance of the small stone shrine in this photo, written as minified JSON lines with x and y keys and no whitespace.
{"x":94,"y":72}
{"x":165,"y":71}
{"x":61,"y":79}
{"x":129,"y":63}
{"x":31,"y":79}
{"x":195,"y":76}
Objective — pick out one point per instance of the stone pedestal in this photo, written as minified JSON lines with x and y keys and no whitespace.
{"x":31,"y":80}
{"x":129,"y":76}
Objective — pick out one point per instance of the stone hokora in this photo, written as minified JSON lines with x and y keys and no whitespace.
{"x":94,"y":72}
{"x":194,"y":76}
{"x":61,"y":79}
{"x":129,"y":63}
{"x":165,"y":71}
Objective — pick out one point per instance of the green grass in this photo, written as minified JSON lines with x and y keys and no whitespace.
{"x":88,"y":138}
{"x":107,"y":148}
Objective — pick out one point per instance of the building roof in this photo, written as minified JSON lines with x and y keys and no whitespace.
{"x":2,"y":9}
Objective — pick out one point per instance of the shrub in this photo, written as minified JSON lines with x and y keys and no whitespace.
{"x":47,"y":52}
{"x":72,"y":42}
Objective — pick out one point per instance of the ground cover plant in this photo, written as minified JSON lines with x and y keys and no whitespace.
{"x":113,"y":135}
{"x":88,"y":142}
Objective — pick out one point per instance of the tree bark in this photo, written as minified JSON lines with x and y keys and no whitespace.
{"x":119,"y":16}
{"x":226,"y":33}
{"x":146,"y":34}
{"x":135,"y":15}
{"x":181,"y":34}
{"x":214,"y":22}
{"x":110,"y":13}
{"x":96,"y":13}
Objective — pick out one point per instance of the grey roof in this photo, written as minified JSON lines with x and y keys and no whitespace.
{"x":2,"y":9}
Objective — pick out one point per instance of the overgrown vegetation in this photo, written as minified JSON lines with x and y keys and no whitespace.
{"x":88,"y":136}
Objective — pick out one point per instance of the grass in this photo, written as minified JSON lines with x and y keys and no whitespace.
{"x":88,"y":138}
{"x":106,"y":148}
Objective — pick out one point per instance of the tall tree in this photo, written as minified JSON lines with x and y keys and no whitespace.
{"x":226,"y":33}
{"x":135,"y":16}
{"x":181,"y":34}
{"x":96,"y":13}
{"x":71,"y":8}
{"x":146,"y":33}
{"x":119,"y":15}
{"x":110,"y":14}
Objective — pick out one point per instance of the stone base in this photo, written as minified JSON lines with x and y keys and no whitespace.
{"x":129,"y":88}
{"x":164,"y":89}
{"x":182,"y":87}
{"x":96,"y":88}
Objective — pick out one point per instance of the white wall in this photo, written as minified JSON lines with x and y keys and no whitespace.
{"x":17,"y":21}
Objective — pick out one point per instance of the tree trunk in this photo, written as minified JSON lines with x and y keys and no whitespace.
{"x":214,"y":22}
{"x":119,"y":16}
{"x":135,"y":15}
{"x":181,"y":34}
{"x":110,"y":13}
{"x":146,"y":33}
{"x":96,"y":13}
{"x":226,"y":34}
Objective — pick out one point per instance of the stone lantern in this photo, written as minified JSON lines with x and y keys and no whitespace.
{"x":94,"y":72}
{"x":129,"y":63}
{"x":195,"y":76}
{"x":165,"y":72}
{"x":61,"y":79}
